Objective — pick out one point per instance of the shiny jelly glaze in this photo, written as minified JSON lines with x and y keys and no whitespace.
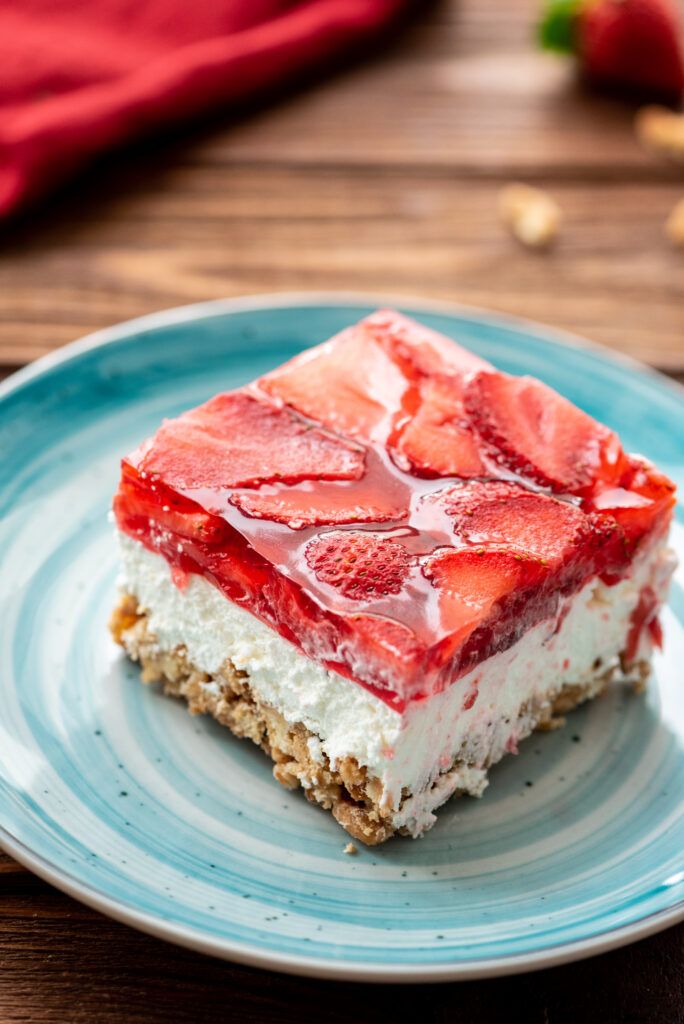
{"x":347,"y":457}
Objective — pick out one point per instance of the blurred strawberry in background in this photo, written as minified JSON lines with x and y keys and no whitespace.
{"x":626,"y":45}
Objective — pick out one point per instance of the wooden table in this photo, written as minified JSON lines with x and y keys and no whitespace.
{"x":384,"y":177}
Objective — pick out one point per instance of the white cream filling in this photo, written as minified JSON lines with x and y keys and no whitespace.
{"x":412,"y":751}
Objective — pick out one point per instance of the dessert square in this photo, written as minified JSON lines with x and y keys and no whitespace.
{"x":386,"y":563}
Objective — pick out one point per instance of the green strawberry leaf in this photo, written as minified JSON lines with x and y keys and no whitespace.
{"x":557,"y":28}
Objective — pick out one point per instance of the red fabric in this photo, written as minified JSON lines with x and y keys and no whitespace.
{"x":78,"y":76}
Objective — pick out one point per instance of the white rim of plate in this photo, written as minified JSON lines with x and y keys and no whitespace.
{"x":247,"y":954}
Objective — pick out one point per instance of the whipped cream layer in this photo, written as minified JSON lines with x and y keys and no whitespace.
{"x":478,"y":718}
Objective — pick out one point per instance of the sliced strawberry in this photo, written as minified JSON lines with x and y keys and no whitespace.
{"x":534,"y":432}
{"x":505,"y":514}
{"x":356,"y":382}
{"x":438,"y":440}
{"x":324,"y":507}
{"x":350,"y":383}
{"x":193,"y":525}
{"x":419,"y":350}
{"x":556,"y":533}
{"x":184,"y":519}
{"x":235,"y":440}
{"x":644,"y":500}
{"x":362,"y":566}
{"x":398,"y":657}
{"x":472,"y":582}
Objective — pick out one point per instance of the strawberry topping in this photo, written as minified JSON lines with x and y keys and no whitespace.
{"x":360,"y":565}
{"x":163,"y":510}
{"x":472,"y":583}
{"x":438,"y":440}
{"x":644,"y":498}
{"x":503,"y":513}
{"x":360,"y":380}
{"x":234,"y":440}
{"x":499,"y":499}
{"x":534,"y":432}
{"x":350,"y":384}
{"x":324,"y":507}
{"x":419,"y":351}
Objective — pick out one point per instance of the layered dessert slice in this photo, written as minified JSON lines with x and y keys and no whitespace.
{"x":386,"y":563}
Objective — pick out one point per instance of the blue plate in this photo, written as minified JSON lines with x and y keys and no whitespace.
{"x":116,"y":795}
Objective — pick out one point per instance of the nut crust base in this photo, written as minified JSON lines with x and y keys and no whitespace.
{"x":346,"y":788}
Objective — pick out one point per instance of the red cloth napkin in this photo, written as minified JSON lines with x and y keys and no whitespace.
{"x":78,"y":76}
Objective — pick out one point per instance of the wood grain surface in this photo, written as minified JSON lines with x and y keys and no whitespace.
{"x":382,"y":177}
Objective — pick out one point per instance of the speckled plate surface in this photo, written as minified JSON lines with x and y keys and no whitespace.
{"x":116,"y":795}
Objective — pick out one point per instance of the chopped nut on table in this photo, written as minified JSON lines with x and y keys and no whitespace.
{"x":351,"y":849}
{"x":674,"y":225}
{"x":531,"y":214}
{"x":662,"y":131}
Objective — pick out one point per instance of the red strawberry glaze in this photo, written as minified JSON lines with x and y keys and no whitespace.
{"x":382,"y":502}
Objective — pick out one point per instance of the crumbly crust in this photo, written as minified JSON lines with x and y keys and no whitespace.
{"x":346,"y":788}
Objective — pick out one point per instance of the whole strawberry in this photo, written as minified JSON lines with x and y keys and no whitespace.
{"x":629,"y":45}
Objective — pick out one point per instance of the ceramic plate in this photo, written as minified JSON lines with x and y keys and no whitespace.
{"x":116,"y":795}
